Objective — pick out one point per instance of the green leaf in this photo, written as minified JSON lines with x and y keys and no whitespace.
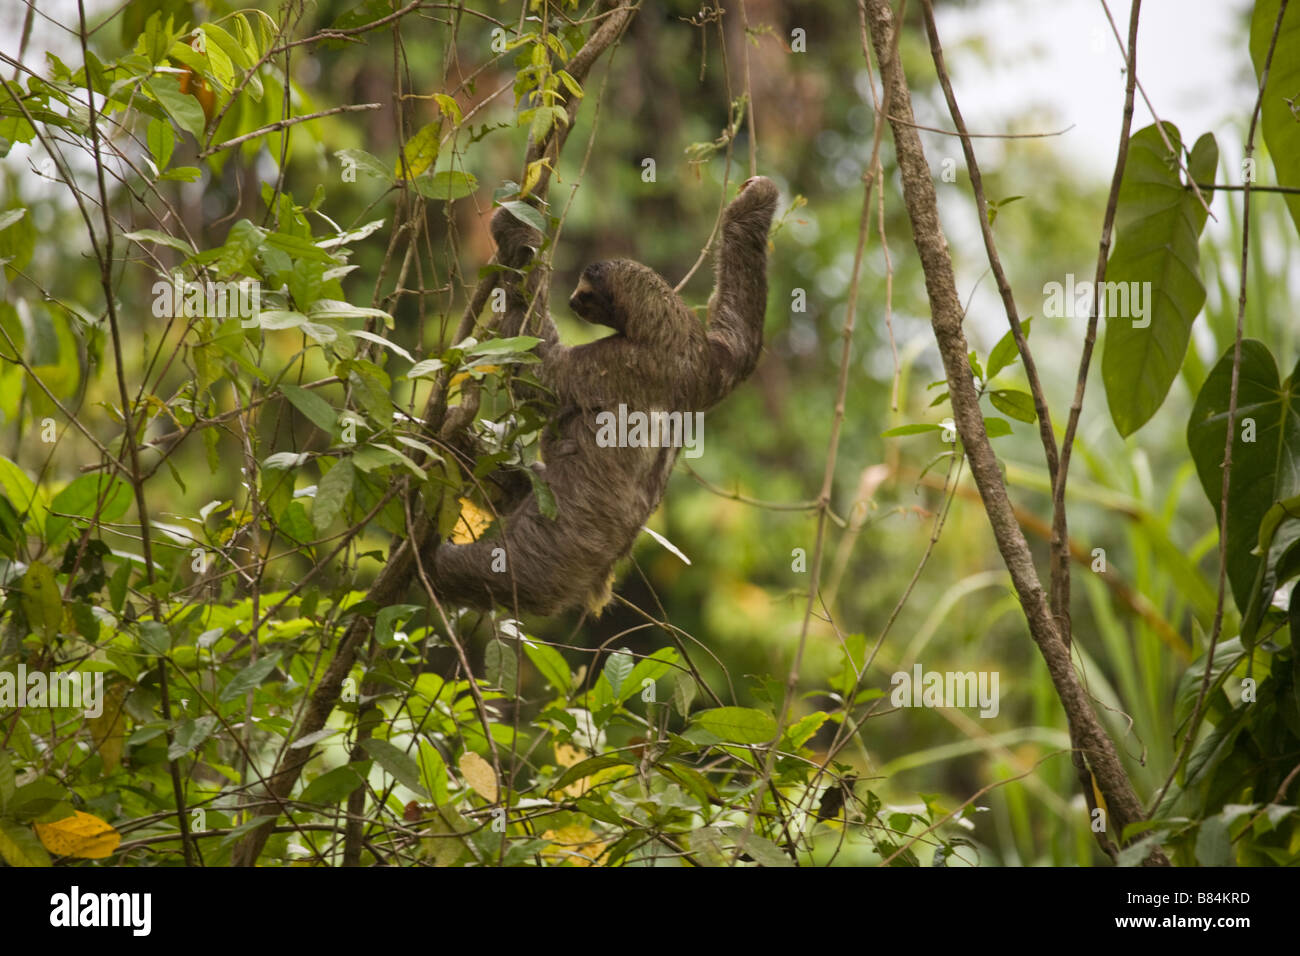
{"x":273,"y":320}
{"x":185,"y":109}
{"x":368,"y":164}
{"x":738,"y":725}
{"x":284,"y":460}
{"x":316,"y":409}
{"x":1265,"y":470}
{"x":1278,"y":119}
{"x":1135,"y":853}
{"x":182,"y":174}
{"x":235,"y":53}
{"x":546,"y":503}
{"x":525,"y":214}
{"x":1157,"y":226}
{"x":161,"y":141}
{"x":598,"y":809}
{"x":498,"y":347}
{"x":334,"y":786}
{"x":153,"y":235}
{"x":328,"y":309}
{"x":551,"y":664}
{"x":17,"y":241}
{"x":403,"y":768}
{"x":190,"y":734}
{"x":1019,"y":405}
{"x":155,"y":637}
{"x":648,"y":669}
{"x":501,"y":665}
{"x":1213,"y":844}
{"x":383,"y":342}
{"x":41,"y":600}
{"x":250,"y":677}
{"x":569,"y":82}
{"x":617,"y":668}
{"x":386,"y":621}
{"x":19,"y":846}
{"x":34,"y":799}
{"x":117,"y":586}
{"x":1273,"y":518}
{"x":997,"y":427}
{"x":80,"y":499}
{"x":434,"y":772}
{"x":426,"y":367}
{"x":331,"y":494}
{"x":584,"y":768}
{"x":1005,"y":352}
{"x":763,"y":851}
{"x":446,"y":185}
{"x":1211,"y":751}
{"x":1227,"y":655}
{"x":802,"y":731}
{"x":19,"y":489}
{"x":683,"y":693}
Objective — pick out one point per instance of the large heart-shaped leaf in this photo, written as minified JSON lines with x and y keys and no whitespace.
{"x":1265,"y":454}
{"x":1157,"y":224}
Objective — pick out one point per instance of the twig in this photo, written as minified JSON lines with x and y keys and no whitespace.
{"x":1060,"y":559}
{"x":749,"y":92}
{"x":287,"y":122}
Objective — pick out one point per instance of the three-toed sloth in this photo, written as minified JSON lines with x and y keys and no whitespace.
{"x":660,"y":359}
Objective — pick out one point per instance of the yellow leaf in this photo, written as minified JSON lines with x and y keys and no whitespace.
{"x":421,"y":151}
{"x":1097,"y":795}
{"x":566,"y":755}
{"x":448,"y":107}
{"x":532,"y":174}
{"x":575,"y":845}
{"x":473,"y":522}
{"x":478,"y":773}
{"x":108,"y":730}
{"x":81,"y":834}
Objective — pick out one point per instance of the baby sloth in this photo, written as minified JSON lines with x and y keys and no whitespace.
{"x":659,"y":359}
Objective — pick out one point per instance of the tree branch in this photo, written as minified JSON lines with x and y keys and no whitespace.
{"x":397,"y":575}
{"x":1086,"y":731}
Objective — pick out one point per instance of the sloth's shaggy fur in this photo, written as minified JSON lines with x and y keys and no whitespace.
{"x":659,"y":359}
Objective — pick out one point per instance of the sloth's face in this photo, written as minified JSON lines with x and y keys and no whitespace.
{"x":593,"y":300}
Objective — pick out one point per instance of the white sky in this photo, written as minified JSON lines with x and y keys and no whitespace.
{"x":1062,"y":56}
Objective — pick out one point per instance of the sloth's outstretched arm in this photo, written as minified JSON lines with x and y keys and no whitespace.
{"x":739,"y":299}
